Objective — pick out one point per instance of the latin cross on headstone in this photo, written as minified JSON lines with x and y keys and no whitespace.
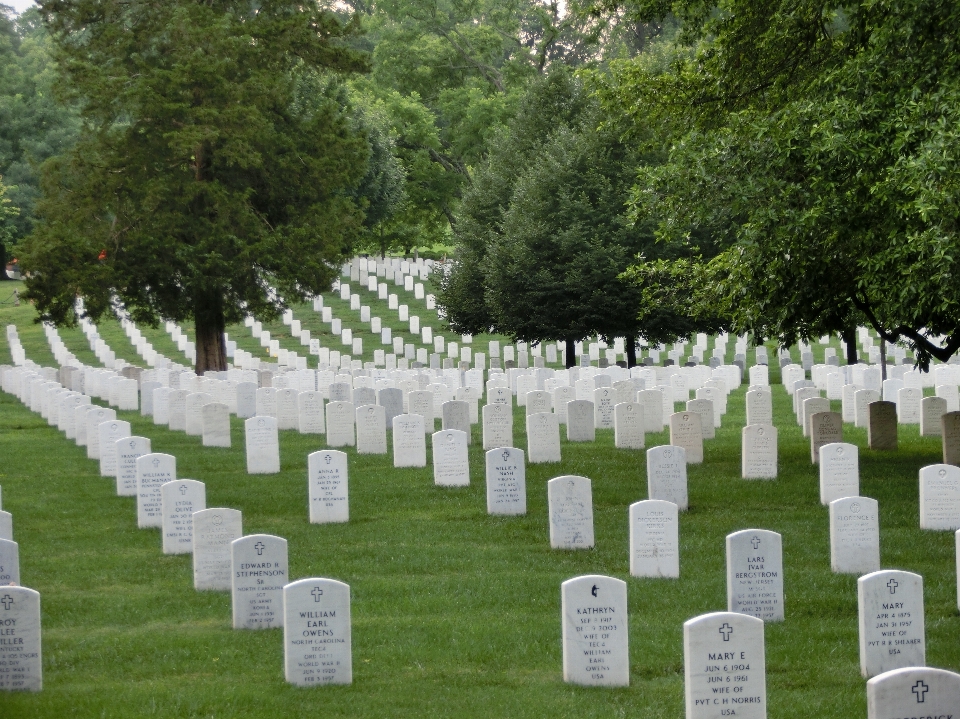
{"x":726,"y":630}
{"x":920,"y":689}
{"x":328,"y":458}
{"x":259,"y":546}
{"x":505,"y":455}
{"x":183,"y":489}
{"x":7,"y":601}
{"x":317,"y":593}
{"x":156,"y":463}
{"x":893,"y":584}
{"x":755,"y":542}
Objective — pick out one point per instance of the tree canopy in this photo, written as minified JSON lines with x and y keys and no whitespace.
{"x":818,"y":144}
{"x":214,"y":160}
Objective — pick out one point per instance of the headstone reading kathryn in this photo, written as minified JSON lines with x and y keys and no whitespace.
{"x":667,"y":475}
{"x":317,"y":645}
{"x":839,"y":471}
{"x":328,"y":487}
{"x":581,"y":421}
{"x":216,"y":424}
{"x":543,"y":438}
{"x":409,"y":443}
{"x":213,"y":532}
{"x":178,"y":501}
{"x":628,"y":426}
{"x":940,"y":497}
{"x":153,"y":471}
{"x":882,"y":425}
{"x":724,"y":667}
{"x":258,"y":567}
{"x":371,"y":429}
{"x":262,"y":445}
{"x":755,"y":574}
{"x":654,"y":539}
{"x":451,"y":467}
{"x":506,"y":481}
{"x":21,"y":665}
{"x":758,"y":454}
{"x":854,"y":535}
{"x":890,"y":604}
{"x":920,"y":692}
{"x":570,"y":503}
{"x":594,"y":631}
{"x":497,"y":426}
{"x":686,"y":432}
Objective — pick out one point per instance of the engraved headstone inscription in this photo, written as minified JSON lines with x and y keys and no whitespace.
{"x":21,"y":665}
{"x":839,"y":471}
{"x":178,"y":501}
{"x":890,"y":604}
{"x":258,"y":566}
{"x":667,"y":475}
{"x":854,"y":535}
{"x":755,"y":574}
{"x":594,"y":631}
{"x":921,"y":692}
{"x":654,"y":539}
{"x":328,"y":488}
{"x":570,"y":502}
{"x":506,"y":481}
{"x":213,"y":532}
{"x":317,"y":647}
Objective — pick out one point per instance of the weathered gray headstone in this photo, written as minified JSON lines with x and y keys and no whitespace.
{"x":882,"y":425}
{"x":914,"y":692}
{"x":755,"y":574}
{"x":259,"y":571}
{"x":594,"y":631}
{"x":890,"y":604}
{"x":686,"y":431}
{"x":317,"y":646}
{"x":543,"y":438}
{"x":940,"y":497}
{"x":654,"y":539}
{"x":825,"y":428}
{"x":391,"y":399}
{"x":288,"y":409}
{"x":455,"y":414}
{"x":451,"y":467}
{"x":246,"y":400}
{"x":724,"y":667}
{"x":506,"y":481}
{"x":328,"y":487}
{"x":854,"y":535}
{"x":21,"y":664}
{"x":93,"y":418}
{"x":153,"y":471}
{"x":651,"y":401}
{"x":213,"y":532}
{"x":570,"y":501}
{"x":409,"y":442}
{"x":193,"y":412}
{"x":178,"y":501}
{"x":667,"y":475}
{"x":839,"y":471}
{"x":262,"y":445}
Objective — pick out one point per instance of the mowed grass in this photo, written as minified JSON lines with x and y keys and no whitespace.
{"x":455,"y":613}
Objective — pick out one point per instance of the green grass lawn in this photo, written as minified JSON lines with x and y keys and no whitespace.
{"x":455,"y":613}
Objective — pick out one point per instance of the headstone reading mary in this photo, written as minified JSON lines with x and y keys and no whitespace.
{"x":890,"y":604}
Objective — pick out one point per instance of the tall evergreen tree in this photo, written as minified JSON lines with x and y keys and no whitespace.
{"x":210,"y":165}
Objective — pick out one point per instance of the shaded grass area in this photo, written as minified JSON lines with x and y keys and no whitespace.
{"x":455,"y":613}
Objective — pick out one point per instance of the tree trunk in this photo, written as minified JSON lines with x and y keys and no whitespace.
{"x":883,"y":359}
{"x":571,"y":353}
{"x":209,"y":324}
{"x":631,"y":343}
{"x":849,"y":337}
{"x":3,"y":262}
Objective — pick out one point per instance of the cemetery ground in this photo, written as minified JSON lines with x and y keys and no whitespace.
{"x":455,"y":612}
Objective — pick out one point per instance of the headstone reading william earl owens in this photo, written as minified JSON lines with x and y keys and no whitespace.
{"x":317,"y":646}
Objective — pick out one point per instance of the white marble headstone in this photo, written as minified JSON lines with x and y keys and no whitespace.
{"x":651,"y":401}
{"x":93,"y":418}
{"x":128,"y":450}
{"x":755,"y":574}
{"x":854,"y":535}
{"x":310,"y":413}
{"x":262,"y":445}
{"x":570,"y":502}
{"x":594,"y":631}
{"x":21,"y":663}
{"x":581,"y":421}
{"x":628,"y":426}
{"x":914,"y":693}
{"x":259,"y":571}
{"x":9,"y":562}
{"x":153,"y":471}
{"x":890,"y":604}
{"x":328,"y":487}
{"x":213,"y":532}
{"x":371,"y":423}
{"x":178,"y":501}
{"x":839,"y":471}
{"x":108,"y":433}
{"x":759,"y":406}
{"x":409,"y":442}
{"x":506,"y":481}
{"x":724,"y":667}
{"x":686,"y":431}
{"x":216,"y":424}
{"x":654,"y":539}
{"x":758,"y":454}
{"x":451,"y":466}
{"x":317,"y":645}
{"x":667,"y":474}
{"x":940,"y":497}
{"x":497,"y":426}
